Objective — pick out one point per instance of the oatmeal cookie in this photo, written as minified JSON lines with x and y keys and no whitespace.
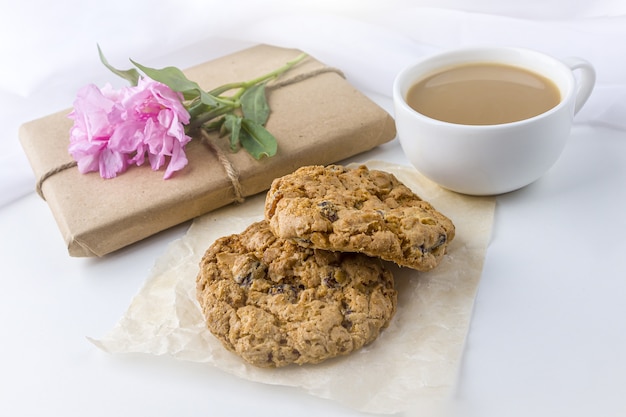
{"x":276,"y":303}
{"x":358,"y":210}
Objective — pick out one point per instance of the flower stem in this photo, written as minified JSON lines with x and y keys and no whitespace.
{"x":276,"y":72}
{"x":201,"y":119}
{"x":244,"y":85}
{"x":228,"y":104}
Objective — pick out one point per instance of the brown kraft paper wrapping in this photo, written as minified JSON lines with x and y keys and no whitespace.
{"x":318,"y":120}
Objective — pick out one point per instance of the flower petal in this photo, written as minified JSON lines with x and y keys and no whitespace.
{"x":177,"y":162}
{"x":111,"y":163}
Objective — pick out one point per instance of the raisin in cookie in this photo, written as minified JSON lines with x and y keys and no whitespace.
{"x":275,"y":303}
{"x":358,"y":210}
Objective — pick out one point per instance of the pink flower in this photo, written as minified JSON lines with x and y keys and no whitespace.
{"x":113,"y":129}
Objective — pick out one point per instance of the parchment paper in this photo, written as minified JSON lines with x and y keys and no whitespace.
{"x":413,"y":364}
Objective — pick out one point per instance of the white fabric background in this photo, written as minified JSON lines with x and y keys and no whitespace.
{"x":48,"y":50}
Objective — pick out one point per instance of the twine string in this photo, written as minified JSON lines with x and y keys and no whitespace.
{"x":304,"y":76}
{"x":51,"y":173}
{"x":229,"y":168}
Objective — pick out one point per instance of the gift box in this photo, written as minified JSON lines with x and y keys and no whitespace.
{"x":316,"y":116}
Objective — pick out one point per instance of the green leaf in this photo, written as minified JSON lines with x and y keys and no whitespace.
{"x":177,"y":81}
{"x":254,"y":104}
{"x":232,"y":124}
{"x":131,"y":75}
{"x":257,"y":140}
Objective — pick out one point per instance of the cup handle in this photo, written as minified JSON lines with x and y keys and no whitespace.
{"x":585,"y":82}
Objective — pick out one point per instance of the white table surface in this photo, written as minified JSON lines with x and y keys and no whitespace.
{"x":547,"y":337}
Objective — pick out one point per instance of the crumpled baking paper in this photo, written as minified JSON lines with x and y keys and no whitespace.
{"x":414,"y":363}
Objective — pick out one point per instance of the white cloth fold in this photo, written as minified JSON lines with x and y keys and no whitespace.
{"x":48,"y":55}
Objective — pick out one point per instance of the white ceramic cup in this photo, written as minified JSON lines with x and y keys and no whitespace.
{"x":491,"y":159}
